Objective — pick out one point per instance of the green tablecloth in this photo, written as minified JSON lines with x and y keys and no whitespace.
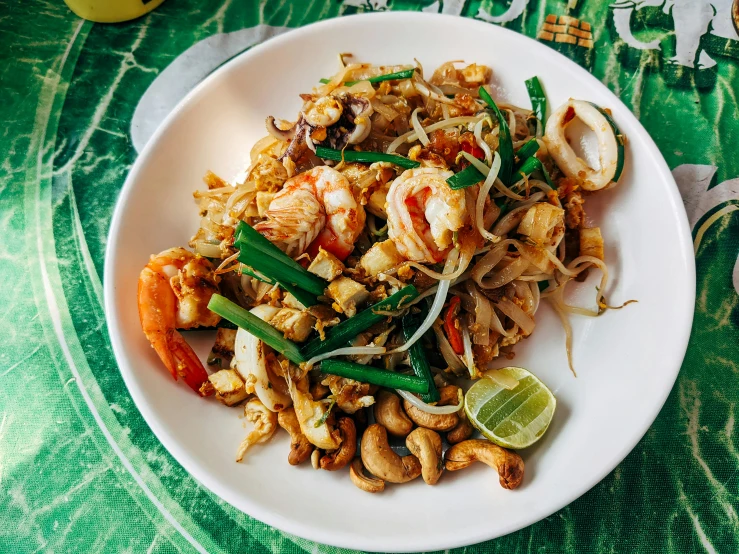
{"x":80,"y":471}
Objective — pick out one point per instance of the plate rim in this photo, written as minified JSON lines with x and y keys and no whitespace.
{"x":415,"y":543}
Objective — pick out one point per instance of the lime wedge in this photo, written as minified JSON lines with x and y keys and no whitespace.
{"x":512,"y":418}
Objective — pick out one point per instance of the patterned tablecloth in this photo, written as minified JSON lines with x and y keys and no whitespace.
{"x":80,"y":471}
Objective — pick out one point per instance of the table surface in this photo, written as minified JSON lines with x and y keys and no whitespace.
{"x":80,"y":471}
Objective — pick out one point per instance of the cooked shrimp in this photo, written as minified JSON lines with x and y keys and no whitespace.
{"x":423,"y":214}
{"x":315,"y":209}
{"x":173,"y":293}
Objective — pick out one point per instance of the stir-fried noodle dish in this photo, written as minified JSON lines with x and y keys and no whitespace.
{"x":382,"y":251}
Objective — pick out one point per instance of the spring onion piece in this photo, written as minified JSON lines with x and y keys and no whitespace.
{"x":405,"y":74}
{"x":398,"y":75}
{"x":533,"y":164}
{"x":538,"y":99}
{"x":525,"y":152}
{"x":436,"y":410}
{"x":367,"y":157}
{"x":339,"y":336}
{"x":419,"y":363}
{"x":374,"y":376}
{"x":505,"y":146}
{"x":289,"y":279}
{"x":260,"y":255}
{"x":260,"y":329}
{"x":258,"y":276}
{"x":469,"y":176}
{"x":246,"y":235}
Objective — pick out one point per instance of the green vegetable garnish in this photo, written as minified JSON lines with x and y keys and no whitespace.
{"x":505,"y":145}
{"x":259,"y":254}
{"x":374,"y":376}
{"x":366,"y":157}
{"x":405,"y":74}
{"x":254,"y":325}
{"x":538,"y":99}
{"x":419,"y":363}
{"x":338,"y":336}
{"x":469,"y":176}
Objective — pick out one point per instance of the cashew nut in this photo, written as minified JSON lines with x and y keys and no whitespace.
{"x":315,"y":458}
{"x":509,"y":465}
{"x":437,"y":422}
{"x":461,"y":432}
{"x":425,"y":445}
{"x":338,"y":458}
{"x":300,"y":446}
{"x":390,"y":414}
{"x":369,"y":484}
{"x":381,"y":461}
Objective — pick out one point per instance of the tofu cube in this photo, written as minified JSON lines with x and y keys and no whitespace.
{"x":347,"y":294}
{"x":326,"y":265}
{"x":476,"y":74}
{"x":223,"y":348}
{"x":225,"y":340}
{"x":295,"y":324}
{"x":382,"y":257}
{"x":591,"y":243}
{"x":263,"y":201}
{"x":289,"y":301}
{"x":376,"y":203}
{"x":229,"y":386}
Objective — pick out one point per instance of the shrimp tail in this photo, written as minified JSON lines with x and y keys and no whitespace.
{"x":181,"y":361}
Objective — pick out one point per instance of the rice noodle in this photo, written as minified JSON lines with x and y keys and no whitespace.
{"x":504,"y":275}
{"x":521,"y":318}
{"x":454,"y":89}
{"x":207,"y":249}
{"x":523,"y":291}
{"x":535,"y":294}
{"x":483,"y":315}
{"x":380,"y":107}
{"x":423,"y":90}
{"x":228,"y":189}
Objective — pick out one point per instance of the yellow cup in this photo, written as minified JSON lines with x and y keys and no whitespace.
{"x":111,"y":11}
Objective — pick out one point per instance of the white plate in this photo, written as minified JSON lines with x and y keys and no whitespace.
{"x":627,"y":360}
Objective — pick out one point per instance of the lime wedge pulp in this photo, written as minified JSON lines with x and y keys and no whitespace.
{"x":514,"y":418}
